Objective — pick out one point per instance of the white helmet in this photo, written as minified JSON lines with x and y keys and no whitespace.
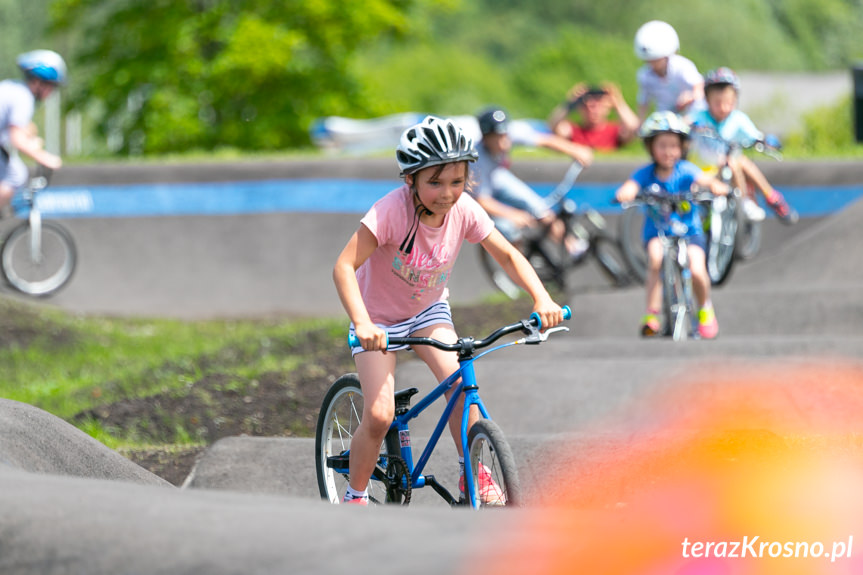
{"x":46,"y":65}
{"x":656,"y":39}
{"x":663,"y":122}
{"x":432,"y":142}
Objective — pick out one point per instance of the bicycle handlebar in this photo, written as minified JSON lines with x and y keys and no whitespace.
{"x":467,"y":344}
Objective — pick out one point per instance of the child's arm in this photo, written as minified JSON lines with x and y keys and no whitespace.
{"x":358,"y":249}
{"x":29,"y":145}
{"x":581,"y":154}
{"x":523,"y":274}
{"x":627,"y":191}
{"x":716,"y":187}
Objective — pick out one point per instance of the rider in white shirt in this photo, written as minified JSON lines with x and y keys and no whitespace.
{"x":43,"y":70}
{"x":667,"y":81}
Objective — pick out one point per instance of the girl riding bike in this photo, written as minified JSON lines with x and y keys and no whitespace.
{"x":666,"y":137}
{"x":392,"y":275}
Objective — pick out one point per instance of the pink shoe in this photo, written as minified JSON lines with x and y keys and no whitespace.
{"x":490,"y":492}
{"x":708,"y":327}
{"x":363,"y":501}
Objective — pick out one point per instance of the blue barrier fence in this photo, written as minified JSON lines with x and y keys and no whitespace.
{"x":322,"y":195}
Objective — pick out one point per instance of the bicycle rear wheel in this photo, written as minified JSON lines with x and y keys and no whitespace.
{"x":488,"y":447}
{"x":340,"y":415}
{"x":631,"y":234}
{"x":40,"y":268}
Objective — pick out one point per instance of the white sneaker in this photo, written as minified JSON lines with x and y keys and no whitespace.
{"x":752,"y":211}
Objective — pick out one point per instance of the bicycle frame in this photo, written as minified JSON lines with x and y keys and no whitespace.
{"x":468,"y":387}
{"x":463,"y":383}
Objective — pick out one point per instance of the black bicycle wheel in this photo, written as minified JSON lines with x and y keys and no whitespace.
{"x":542,"y":255}
{"x":631,"y":240}
{"x":340,"y":415}
{"x":497,"y":275}
{"x":721,"y":241}
{"x":488,"y":448}
{"x":611,"y":260}
{"x":38,"y":266}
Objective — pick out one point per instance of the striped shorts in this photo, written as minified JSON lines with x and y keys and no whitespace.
{"x":436,"y":314}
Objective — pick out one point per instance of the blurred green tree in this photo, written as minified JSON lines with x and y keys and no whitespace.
{"x":174,"y":75}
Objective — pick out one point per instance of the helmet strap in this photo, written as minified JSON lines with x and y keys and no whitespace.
{"x":407,"y":244}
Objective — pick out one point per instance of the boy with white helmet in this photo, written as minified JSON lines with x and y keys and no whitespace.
{"x":43,"y":71}
{"x":392,"y":276}
{"x":667,"y":81}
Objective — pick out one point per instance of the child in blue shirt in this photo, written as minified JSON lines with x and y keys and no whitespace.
{"x":666,"y":137}
{"x":723,"y":122}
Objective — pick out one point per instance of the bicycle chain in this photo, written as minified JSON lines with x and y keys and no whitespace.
{"x":398,"y":479}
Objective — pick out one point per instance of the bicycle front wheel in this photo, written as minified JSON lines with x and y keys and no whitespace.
{"x":748,"y":242}
{"x":491,"y":459}
{"x":674,"y":299}
{"x":611,"y":260}
{"x":721,"y":244}
{"x":339,"y":417}
{"x":38,"y":266}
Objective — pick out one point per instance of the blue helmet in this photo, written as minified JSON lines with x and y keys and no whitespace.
{"x":46,"y":65}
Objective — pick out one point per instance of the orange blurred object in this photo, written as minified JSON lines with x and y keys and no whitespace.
{"x":757,"y":470}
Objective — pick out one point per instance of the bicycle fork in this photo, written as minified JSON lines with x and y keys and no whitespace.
{"x":35,"y":218}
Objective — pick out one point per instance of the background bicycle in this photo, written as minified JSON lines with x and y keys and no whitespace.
{"x":730,"y":234}
{"x":679,"y":311}
{"x":551,"y":259}
{"x":487,"y":452}
{"x":37,"y":258}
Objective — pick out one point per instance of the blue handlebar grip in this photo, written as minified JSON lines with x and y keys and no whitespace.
{"x":354,"y":341}
{"x":567,"y":314}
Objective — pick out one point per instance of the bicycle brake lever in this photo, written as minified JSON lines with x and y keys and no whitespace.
{"x":537,"y":337}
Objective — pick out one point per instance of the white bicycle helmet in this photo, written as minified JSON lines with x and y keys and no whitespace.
{"x":432,"y":142}
{"x":663,"y":122}
{"x":46,"y":65}
{"x":656,"y":39}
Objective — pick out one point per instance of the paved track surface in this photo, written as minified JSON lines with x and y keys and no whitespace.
{"x":70,"y":505}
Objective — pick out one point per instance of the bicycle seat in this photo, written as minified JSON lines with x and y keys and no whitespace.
{"x":403,"y":397}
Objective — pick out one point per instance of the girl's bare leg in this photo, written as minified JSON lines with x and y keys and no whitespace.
{"x":377,"y":378}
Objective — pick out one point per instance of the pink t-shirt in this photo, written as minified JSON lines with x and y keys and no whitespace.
{"x":396,"y":286}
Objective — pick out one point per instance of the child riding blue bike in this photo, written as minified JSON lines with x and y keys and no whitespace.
{"x":392,"y":277}
{"x":666,"y":136}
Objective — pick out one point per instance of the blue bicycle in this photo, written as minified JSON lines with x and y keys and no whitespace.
{"x":396,"y":474}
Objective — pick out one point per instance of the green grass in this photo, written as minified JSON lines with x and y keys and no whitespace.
{"x":137,"y":383}
{"x":66,"y":364}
